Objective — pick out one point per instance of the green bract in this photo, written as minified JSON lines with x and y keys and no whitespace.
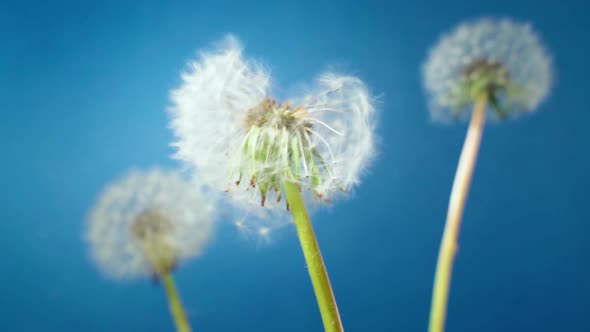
{"x":491,"y":78}
{"x":278,"y":148}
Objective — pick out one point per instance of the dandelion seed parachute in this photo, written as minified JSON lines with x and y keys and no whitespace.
{"x":148,"y":220}
{"x":237,"y":137}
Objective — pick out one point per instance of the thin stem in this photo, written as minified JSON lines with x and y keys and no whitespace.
{"x":448,"y":247}
{"x":176,"y":308}
{"x":313,"y":257}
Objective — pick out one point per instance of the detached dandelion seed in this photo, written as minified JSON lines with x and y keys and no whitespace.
{"x":238,"y":138}
{"x":145,"y":225}
{"x":498,"y":64}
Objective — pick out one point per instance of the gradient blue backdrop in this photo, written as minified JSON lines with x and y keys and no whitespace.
{"x":83,"y":89}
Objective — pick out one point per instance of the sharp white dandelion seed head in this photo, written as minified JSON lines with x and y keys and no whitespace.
{"x":501,"y":58}
{"x":238,"y":137}
{"x":147,"y":222}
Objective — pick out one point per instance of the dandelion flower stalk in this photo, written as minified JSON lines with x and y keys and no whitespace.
{"x":448,"y":248}
{"x":151,"y":229}
{"x":145,"y":225}
{"x":279,"y":134}
{"x":499,"y":64}
{"x":176,"y":308}
{"x":238,"y":138}
{"x":315,"y":263}
{"x":492,"y":63}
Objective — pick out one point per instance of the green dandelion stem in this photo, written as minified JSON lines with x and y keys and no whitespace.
{"x":449,"y":246}
{"x":176,"y":308}
{"x":313,"y":257}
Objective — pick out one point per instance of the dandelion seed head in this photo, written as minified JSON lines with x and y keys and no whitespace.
{"x":500,"y":57}
{"x":232,"y":132}
{"x":147,"y":223}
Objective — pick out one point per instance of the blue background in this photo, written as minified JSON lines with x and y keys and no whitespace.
{"x":83,"y":89}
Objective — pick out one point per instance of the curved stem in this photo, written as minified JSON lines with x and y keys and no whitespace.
{"x":313,"y":257}
{"x":448,"y":247}
{"x":176,"y":308}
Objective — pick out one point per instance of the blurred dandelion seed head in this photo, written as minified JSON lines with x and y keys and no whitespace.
{"x":147,"y":222}
{"x":238,"y":138}
{"x":500,"y":58}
